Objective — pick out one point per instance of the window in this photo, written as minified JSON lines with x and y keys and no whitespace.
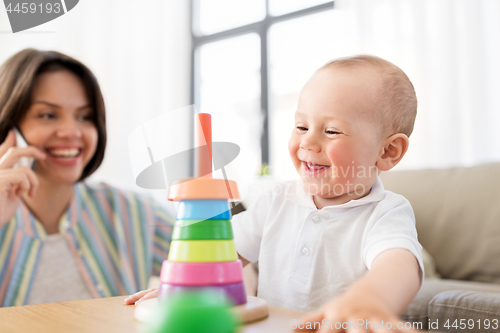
{"x":250,"y":60}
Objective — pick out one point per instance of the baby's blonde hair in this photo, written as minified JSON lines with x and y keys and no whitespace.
{"x":398,"y":102}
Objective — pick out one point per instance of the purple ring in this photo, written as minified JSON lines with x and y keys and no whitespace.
{"x":234,"y":291}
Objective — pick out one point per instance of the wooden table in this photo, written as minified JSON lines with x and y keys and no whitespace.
{"x":107,"y":315}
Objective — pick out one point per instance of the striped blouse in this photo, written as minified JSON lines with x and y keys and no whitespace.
{"x":118,"y":239}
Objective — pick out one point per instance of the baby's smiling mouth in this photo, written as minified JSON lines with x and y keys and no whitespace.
{"x":314,"y":167}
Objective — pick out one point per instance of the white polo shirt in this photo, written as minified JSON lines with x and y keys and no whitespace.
{"x":308,"y":256}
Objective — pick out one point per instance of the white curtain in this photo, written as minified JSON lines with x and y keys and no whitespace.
{"x":450,"y":49}
{"x":140,"y":52}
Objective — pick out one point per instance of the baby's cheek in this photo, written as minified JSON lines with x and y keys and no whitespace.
{"x":343,"y":165}
{"x":293,"y":146}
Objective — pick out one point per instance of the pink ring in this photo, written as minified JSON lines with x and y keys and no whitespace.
{"x":201,"y":274}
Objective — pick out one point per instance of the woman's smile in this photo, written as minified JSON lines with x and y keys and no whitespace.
{"x":64,"y":155}
{"x":59,"y":122}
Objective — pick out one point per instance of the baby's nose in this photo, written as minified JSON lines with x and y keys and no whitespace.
{"x":310,"y":144}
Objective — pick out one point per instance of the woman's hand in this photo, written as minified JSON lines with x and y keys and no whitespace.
{"x":141,"y":296}
{"x":15,"y":182}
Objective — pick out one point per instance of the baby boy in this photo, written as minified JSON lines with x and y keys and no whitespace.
{"x":336,"y":238}
{"x":335,"y":242}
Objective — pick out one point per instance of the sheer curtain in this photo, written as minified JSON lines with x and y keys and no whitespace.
{"x":140,"y":52}
{"x":450,"y":49}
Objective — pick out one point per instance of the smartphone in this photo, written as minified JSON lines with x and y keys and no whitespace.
{"x":21,"y":143}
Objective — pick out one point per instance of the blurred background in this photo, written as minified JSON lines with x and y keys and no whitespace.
{"x":246,"y":61}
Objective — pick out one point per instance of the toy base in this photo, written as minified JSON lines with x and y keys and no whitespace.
{"x":253,"y":310}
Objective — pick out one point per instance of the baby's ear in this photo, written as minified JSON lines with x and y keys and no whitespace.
{"x":394,"y":149}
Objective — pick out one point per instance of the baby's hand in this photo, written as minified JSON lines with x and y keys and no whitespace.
{"x":141,"y":296}
{"x":353,"y":312}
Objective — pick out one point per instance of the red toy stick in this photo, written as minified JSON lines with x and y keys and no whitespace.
{"x":204,"y":144}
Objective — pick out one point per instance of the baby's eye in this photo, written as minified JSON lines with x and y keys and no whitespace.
{"x":332,"y":132}
{"x":302,"y":128}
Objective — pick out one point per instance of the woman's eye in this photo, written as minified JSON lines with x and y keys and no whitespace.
{"x":85,"y":117}
{"x":47,"y":116}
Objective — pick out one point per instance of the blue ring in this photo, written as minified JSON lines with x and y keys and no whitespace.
{"x":203,"y":210}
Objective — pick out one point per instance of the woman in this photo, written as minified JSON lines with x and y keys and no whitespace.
{"x":60,"y":238}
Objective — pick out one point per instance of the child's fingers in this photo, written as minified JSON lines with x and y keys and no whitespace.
{"x":151,"y":294}
{"x":310,"y":318}
{"x":135,"y":297}
{"x":379,"y":325}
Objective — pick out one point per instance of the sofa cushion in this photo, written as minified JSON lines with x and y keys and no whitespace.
{"x":458,"y":217}
{"x":418,"y":310}
{"x":465,"y":311}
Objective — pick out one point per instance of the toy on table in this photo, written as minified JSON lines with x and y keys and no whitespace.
{"x":199,"y":311}
{"x":202,"y":252}
{"x":202,"y":255}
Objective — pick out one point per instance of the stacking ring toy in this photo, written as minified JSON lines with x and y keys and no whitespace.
{"x":202,"y":251}
{"x":202,"y":254}
{"x":234,"y":291}
{"x":203,"y":188}
{"x":199,"y":230}
{"x":203,"y":210}
{"x":199,"y":274}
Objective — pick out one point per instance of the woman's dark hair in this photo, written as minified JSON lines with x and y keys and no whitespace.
{"x":17,"y":76}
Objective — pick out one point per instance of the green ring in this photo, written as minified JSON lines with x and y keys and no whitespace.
{"x":202,"y":230}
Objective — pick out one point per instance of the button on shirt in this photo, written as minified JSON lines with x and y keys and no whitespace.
{"x":309,"y":256}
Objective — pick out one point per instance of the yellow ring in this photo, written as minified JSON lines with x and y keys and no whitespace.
{"x":202,"y":251}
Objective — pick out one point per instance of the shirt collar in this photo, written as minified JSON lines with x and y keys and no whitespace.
{"x":296,"y":193}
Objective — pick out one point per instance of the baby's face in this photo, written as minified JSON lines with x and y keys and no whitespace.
{"x":337,"y":138}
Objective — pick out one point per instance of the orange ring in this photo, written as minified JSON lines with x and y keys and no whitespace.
{"x":203,"y":188}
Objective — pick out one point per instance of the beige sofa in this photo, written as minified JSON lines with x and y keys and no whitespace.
{"x":457,"y":213}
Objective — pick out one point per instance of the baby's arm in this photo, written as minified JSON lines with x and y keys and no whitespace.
{"x":243,"y":260}
{"x":381,"y":294}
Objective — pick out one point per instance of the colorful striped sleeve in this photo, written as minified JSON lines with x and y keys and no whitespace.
{"x":164,"y":222}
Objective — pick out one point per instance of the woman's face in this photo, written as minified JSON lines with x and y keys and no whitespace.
{"x":59,"y":122}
